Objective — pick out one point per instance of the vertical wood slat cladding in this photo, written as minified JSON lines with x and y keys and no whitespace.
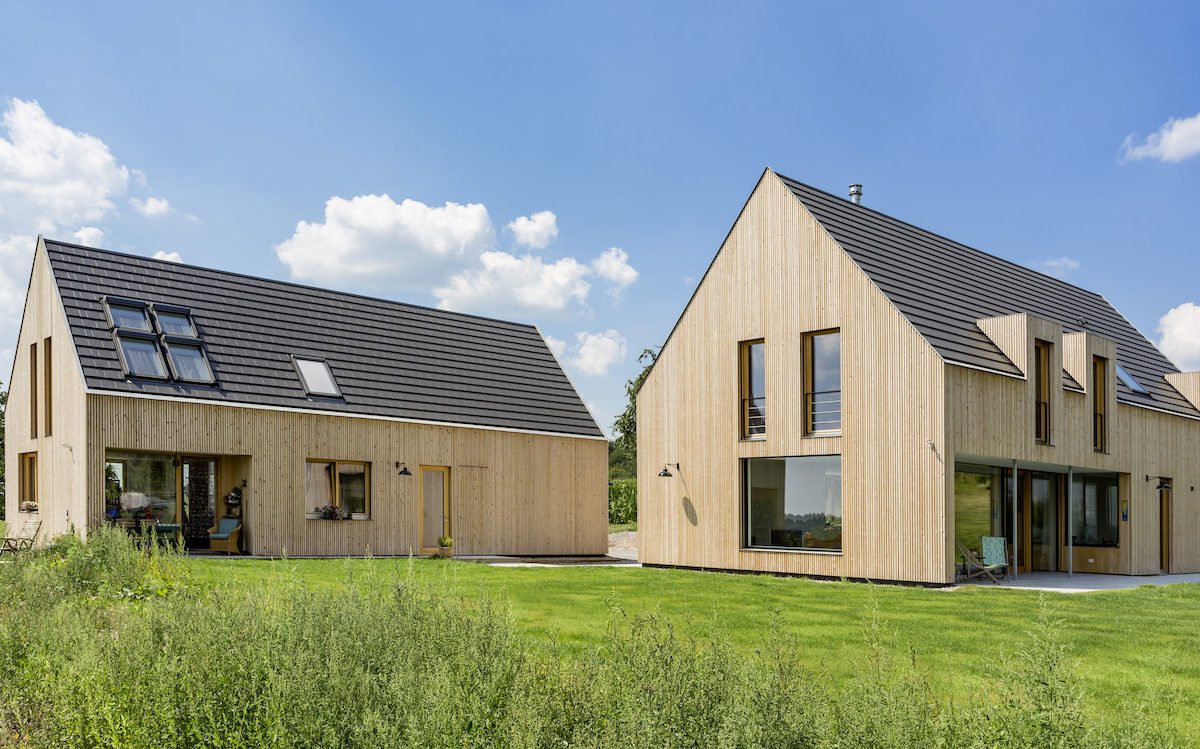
{"x":778,"y":276}
{"x":61,"y":479}
{"x":511,"y":493}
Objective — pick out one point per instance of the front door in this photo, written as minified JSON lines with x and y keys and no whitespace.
{"x":198,"y":482}
{"x":435,"y":506}
{"x":1164,"y":530}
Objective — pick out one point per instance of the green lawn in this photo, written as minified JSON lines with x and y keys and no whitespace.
{"x":1142,"y":643}
{"x":621,"y":527}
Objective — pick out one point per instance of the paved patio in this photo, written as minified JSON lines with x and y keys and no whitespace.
{"x":1084,"y":582}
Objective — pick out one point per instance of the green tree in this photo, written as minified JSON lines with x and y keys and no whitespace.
{"x":622,"y":454}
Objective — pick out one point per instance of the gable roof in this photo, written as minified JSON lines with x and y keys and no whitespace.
{"x":390,"y":359}
{"x":943,"y":287}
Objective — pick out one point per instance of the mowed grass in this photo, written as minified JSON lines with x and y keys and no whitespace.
{"x":1141,"y":644}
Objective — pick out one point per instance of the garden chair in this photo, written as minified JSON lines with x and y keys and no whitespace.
{"x":224,"y":535}
{"x":995,"y":559}
{"x":24,"y":539}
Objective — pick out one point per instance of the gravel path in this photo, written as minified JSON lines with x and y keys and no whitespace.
{"x":623,"y":545}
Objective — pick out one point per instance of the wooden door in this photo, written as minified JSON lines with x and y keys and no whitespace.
{"x":435,"y":506}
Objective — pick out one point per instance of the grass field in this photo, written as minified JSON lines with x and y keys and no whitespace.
{"x":1141,"y":644}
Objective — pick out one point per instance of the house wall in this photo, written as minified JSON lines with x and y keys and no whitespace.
{"x":511,"y":493}
{"x":777,"y":276}
{"x":992,"y":415}
{"x":61,"y":473}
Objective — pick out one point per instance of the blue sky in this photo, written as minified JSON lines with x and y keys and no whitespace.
{"x":1019,"y":129}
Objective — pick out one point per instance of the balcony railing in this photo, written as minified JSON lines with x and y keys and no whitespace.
{"x":754,"y":417}
{"x":825,"y":411}
{"x":1041,"y":415}
{"x":1099,"y":433}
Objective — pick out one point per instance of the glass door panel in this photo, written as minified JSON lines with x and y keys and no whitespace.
{"x":1044,"y":525}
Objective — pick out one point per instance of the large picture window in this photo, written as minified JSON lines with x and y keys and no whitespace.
{"x":823,"y":382}
{"x":140,"y":487}
{"x":794,"y":503}
{"x":345,"y":485}
{"x":1094,"y":508}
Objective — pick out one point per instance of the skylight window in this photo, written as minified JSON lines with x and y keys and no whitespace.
{"x":176,"y":352}
{"x":141,"y":357}
{"x":127,"y":315}
{"x":1130,"y":383}
{"x":316,"y":377}
{"x":188,"y":362}
{"x":174,"y":321}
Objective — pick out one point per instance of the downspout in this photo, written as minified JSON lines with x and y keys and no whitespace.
{"x":1016,"y":530}
{"x":1070,"y":537}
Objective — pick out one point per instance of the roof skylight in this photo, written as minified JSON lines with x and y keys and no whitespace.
{"x":316,"y":377}
{"x":175,"y":352}
{"x":1130,"y":383}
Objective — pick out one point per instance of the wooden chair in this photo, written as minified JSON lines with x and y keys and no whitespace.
{"x":24,"y":539}
{"x":995,"y":559}
{"x":224,"y":535}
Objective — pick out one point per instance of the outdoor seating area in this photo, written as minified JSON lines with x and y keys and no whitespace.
{"x":23,"y":540}
{"x":992,"y":562}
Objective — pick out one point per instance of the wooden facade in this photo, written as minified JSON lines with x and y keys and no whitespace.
{"x":908,"y":418}
{"x":510,"y":492}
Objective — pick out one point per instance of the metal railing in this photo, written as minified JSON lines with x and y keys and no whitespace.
{"x":825,"y":411}
{"x":754,"y":417}
{"x":1041,"y":415}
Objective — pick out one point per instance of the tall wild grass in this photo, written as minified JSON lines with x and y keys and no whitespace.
{"x":104,"y":645}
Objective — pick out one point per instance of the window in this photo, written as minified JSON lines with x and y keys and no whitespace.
{"x":342,"y":484}
{"x":188,"y":362}
{"x":140,"y":356}
{"x":48,"y":386}
{"x":33,"y":388}
{"x":1130,"y":383}
{"x":27,"y":481}
{"x":316,"y":377}
{"x":1041,"y":384}
{"x":174,"y":321}
{"x":794,"y":503}
{"x":1094,"y":500}
{"x":823,"y":381}
{"x":141,"y":487}
{"x":979,"y":505}
{"x":754,"y":389}
{"x":127,"y":315}
{"x":1099,"y":404}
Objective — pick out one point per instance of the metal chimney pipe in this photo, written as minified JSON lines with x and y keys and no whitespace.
{"x":856,"y":194}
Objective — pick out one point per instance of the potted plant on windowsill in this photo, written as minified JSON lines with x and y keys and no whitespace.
{"x":445,"y":547}
{"x":330,"y":512}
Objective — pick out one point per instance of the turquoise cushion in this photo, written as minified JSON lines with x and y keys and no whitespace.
{"x":219,"y":536}
{"x":227,"y":525}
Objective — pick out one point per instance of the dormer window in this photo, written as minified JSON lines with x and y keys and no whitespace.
{"x":316,"y":377}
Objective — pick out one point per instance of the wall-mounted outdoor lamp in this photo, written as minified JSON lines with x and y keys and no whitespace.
{"x":402,"y":469}
{"x":1164,"y":483}
{"x":666,"y":474}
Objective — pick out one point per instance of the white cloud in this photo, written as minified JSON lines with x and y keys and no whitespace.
{"x":170,"y":257}
{"x":1177,"y":140}
{"x":557,"y":346}
{"x":1059,"y":266}
{"x":613,"y":265}
{"x":51,"y":176}
{"x":595,"y":353}
{"x":1180,"y":329}
{"x":151,"y":207}
{"x":536,"y":231}
{"x":91,"y":236}
{"x":505,"y":281}
{"x":374,"y":241}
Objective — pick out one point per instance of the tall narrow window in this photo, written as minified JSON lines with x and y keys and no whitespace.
{"x":1041,"y":384}
{"x":823,"y":381}
{"x":754,"y":390}
{"x":28,"y":482}
{"x":48,"y":386}
{"x":1100,"y":404}
{"x":33,"y":388}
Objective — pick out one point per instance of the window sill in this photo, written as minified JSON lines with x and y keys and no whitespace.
{"x":787,"y":550}
{"x":756,"y":438}
{"x":823,"y":435}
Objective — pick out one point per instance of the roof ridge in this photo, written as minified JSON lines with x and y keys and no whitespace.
{"x":293,"y":284}
{"x":942,"y":237}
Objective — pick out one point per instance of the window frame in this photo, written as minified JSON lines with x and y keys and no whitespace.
{"x":1042,"y":358}
{"x":304,"y":383}
{"x":184,"y":342}
{"x":172,"y":309}
{"x":48,"y":386}
{"x":809,"y":361}
{"x":1082,"y":480}
{"x":27,"y":478}
{"x":337,"y":484}
{"x":745,"y":357}
{"x":123,"y":333}
{"x":747,"y":496}
{"x":1100,"y":404}
{"x":110,"y":301}
{"x":33,"y":390}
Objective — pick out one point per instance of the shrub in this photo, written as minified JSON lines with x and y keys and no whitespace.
{"x":622,"y":501}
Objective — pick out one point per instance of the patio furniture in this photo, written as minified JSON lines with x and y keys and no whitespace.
{"x":224,"y":535}
{"x":995,"y":559}
{"x":23,"y":541}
